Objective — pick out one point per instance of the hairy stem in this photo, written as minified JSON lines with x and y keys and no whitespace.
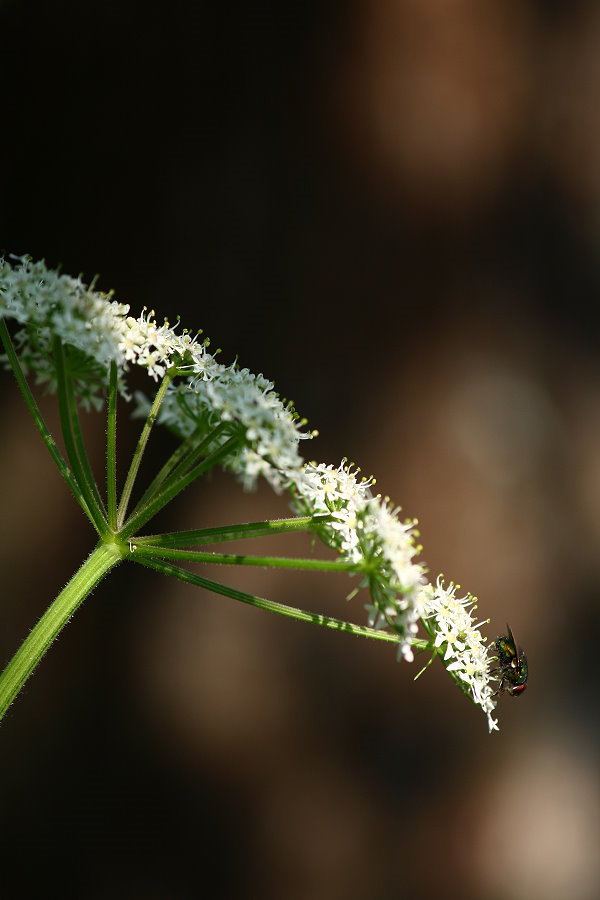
{"x":41,"y":426}
{"x":73,"y":439}
{"x":269,"y":605}
{"x":240,"y":559}
{"x":141,"y":446}
{"x":111,"y":448}
{"x":243,"y":530}
{"x":185,"y":456}
{"x":171,"y":490}
{"x":39,"y":639}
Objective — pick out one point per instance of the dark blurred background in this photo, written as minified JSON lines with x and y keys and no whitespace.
{"x":392,"y":208}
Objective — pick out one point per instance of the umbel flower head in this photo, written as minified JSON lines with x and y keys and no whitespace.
{"x":367,"y":531}
{"x":47,"y":305}
{"x":449,"y":620}
{"x":244,"y":415}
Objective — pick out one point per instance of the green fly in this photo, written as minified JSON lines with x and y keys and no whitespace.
{"x":511,"y":669}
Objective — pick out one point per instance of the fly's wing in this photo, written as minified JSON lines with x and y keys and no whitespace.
{"x":519,"y":653}
{"x":511,"y":636}
{"x":511,"y":647}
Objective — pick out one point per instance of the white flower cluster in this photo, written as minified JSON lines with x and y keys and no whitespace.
{"x":48,"y":304}
{"x":226,"y":394}
{"x":448,"y":618}
{"x":365,"y":530}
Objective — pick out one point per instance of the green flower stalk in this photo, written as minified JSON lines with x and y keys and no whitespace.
{"x":83,"y":344}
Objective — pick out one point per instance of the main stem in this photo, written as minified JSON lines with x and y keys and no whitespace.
{"x":37,"y":642}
